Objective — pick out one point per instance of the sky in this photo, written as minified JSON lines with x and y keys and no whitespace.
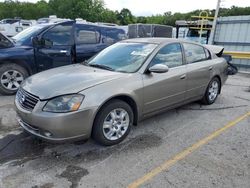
{"x":152,"y":7}
{"x":149,"y":7}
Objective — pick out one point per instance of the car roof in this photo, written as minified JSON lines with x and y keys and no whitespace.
{"x":99,"y":25}
{"x":158,"y":40}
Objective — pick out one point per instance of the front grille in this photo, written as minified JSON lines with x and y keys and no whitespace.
{"x":26,"y":100}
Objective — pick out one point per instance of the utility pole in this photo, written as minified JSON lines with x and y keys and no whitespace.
{"x":211,"y":38}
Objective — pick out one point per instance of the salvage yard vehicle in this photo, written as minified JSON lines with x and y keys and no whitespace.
{"x":11,"y":27}
{"x":123,"y":84}
{"x":46,"y":46}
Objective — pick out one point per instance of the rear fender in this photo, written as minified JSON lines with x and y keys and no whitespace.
{"x":218,"y":50}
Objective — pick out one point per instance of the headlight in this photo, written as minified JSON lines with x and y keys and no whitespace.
{"x":67,"y":103}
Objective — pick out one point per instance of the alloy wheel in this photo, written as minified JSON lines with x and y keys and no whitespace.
{"x":116,"y":124}
{"x":11,"y":79}
{"x":213,"y":90}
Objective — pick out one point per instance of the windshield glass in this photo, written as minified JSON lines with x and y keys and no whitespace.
{"x":27,"y":33}
{"x":123,"y":57}
{"x":196,"y":33}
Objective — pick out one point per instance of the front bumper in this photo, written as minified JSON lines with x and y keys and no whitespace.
{"x":56,"y":127}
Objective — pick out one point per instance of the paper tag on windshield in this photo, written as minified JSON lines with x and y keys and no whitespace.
{"x":140,"y":53}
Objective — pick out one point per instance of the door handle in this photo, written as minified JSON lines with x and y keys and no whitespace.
{"x":183,"y":77}
{"x":63,"y":51}
{"x":211,"y":68}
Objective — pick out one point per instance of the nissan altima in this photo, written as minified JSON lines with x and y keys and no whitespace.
{"x":125,"y":83}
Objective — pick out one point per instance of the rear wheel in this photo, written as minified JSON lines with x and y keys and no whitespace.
{"x":113,"y":123}
{"x":212,"y":91}
{"x":11,"y":77}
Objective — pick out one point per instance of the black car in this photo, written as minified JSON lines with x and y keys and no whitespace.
{"x":46,"y":46}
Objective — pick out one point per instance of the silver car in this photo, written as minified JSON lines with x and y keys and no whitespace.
{"x":123,"y":84}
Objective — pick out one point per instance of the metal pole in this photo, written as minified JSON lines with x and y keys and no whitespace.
{"x":211,"y":38}
{"x":177,"y":31}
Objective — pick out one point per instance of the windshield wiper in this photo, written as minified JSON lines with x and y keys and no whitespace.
{"x":85,"y":62}
{"x":101,"y":66}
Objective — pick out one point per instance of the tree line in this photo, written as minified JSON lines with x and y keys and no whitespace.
{"x":95,"y":11}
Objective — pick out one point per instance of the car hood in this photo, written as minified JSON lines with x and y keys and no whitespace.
{"x":67,"y":80}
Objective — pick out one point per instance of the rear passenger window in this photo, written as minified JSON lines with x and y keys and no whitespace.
{"x":87,"y":35}
{"x":114,"y":35}
{"x":170,"y":55}
{"x":194,"y":53}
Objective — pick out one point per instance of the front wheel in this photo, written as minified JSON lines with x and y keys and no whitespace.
{"x":212,"y":91}
{"x":11,"y":77}
{"x":112,"y":123}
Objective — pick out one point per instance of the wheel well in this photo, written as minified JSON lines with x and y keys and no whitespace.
{"x":19,"y":64}
{"x":129,"y":101}
{"x":217,"y":76}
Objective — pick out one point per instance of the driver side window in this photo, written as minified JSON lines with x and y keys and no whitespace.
{"x":170,"y":55}
{"x":58,"y":35}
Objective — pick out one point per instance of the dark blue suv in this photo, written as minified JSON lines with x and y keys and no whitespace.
{"x":46,"y":46}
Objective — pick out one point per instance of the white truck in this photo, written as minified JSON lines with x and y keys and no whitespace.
{"x":10,"y":27}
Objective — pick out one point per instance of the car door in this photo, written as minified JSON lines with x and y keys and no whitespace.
{"x":163,"y":90}
{"x":199,"y":66}
{"x":88,"y":41}
{"x":57,"y":46}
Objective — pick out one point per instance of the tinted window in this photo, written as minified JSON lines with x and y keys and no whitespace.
{"x":9,"y":21}
{"x":114,"y":35}
{"x":196,"y":33}
{"x":87,"y":35}
{"x":59,"y":35}
{"x":170,"y":55}
{"x":194,"y":53}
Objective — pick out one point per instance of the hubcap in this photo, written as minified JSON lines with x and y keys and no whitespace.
{"x":11,"y":79}
{"x":116,"y":124}
{"x":213,"y":91}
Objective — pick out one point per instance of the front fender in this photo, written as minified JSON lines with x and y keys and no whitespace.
{"x":24,"y":58}
{"x":130,"y":86}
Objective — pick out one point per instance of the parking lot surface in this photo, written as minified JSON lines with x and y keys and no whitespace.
{"x":191,"y":146}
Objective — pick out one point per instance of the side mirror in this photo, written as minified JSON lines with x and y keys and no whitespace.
{"x":35,"y":41}
{"x":40,"y":42}
{"x":159,"y":68}
{"x":47,"y":43}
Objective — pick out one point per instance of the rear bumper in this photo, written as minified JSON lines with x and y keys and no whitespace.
{"x":56,"y":127}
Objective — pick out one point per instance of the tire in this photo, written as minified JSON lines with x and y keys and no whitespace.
{"x":212,"y":91}
{"x":11,"y":77}
{"x":115,"y":131}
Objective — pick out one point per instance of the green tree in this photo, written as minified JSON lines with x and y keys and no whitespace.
{"x":125,"y":17}
{"x":90,"y":10}
{"x":141,"y":19}
{"x":95,"y":11}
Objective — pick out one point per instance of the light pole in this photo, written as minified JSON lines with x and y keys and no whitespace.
{"x":211,"y":38}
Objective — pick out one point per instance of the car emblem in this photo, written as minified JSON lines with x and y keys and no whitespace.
{"x":22,"y":98}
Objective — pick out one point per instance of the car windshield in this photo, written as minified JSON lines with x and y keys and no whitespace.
{"x":123,"y":57}
{"x":27,"y":33}
{"x":196,"y":33}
